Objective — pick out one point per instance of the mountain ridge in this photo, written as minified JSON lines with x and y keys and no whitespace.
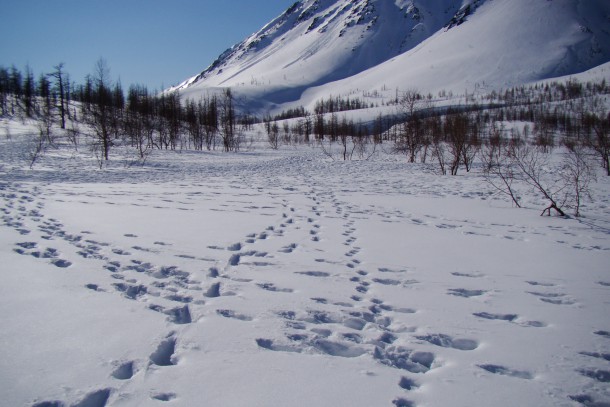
{"x":337,"y":46}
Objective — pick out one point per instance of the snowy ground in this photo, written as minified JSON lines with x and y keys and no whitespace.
{"x":286,"y":279}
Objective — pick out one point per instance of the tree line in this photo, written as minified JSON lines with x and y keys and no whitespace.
{"x":144,"y":119}
{"x":482,"y":130}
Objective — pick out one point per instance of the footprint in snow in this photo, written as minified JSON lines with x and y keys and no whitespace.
{"x":180,"y":315}
{"x":602,"y":376}
{"x":97,"y":398}
{"x":537,"y":283}
{"x":124,"y":371}
{"x":27,"y":245}
{"x":468,"y":275}
{"x":588,"y":401}
{"x":54,"y":403}
{"x":407,"y":384}
{"x":504,"y":371}
{"x":288,"y":249}
{"x":500,"y":317}
{"x":400,"y":402}
{"x":605,"y":334}
{"x":446,"y":341}
{"x":604,"y":356}
{"x":164,"y":355}
{"x":405,"y":359}
{"x":273,"y":288}
{"x":163,"y":396}
{"x":553,"y":298}
{"x":463,"y":292}
{"x":235,"y":247}
{"x":131,"y":292}
{"x":233,"y":315}
{"x":510,"y":318}
{"x":321,"y":345}
{"x":313,"y":273}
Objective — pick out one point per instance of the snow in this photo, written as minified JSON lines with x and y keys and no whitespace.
{"x":284,"y":278}
{"x":388,"y":45}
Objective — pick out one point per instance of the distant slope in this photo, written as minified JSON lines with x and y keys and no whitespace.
{"x":321,"y":47}
{"x":499,"y":46}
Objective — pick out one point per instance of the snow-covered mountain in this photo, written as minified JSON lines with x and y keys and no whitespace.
{"x":322,"y":47}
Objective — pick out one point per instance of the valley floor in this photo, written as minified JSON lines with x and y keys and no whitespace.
{"x":283,"y":278}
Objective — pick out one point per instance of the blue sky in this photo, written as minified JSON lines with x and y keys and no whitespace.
{"x":151,"y":42}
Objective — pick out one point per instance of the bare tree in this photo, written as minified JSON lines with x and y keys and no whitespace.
{"x":60,"y":87}
{"x":498,"y":169}
{"x":273,"y":135}
{"x":577,"y":174}
{"x":227,"y":120}
{"x":534,"y":169}
{"x":599,"y":141}
{"x":457,"y":133}
{"x":29,"y":91}
{"x":411,"y":138}
{"x":101,"y":117}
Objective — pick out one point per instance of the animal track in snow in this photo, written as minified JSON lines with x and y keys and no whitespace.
{"x":602,"y":333}
{"x":386,"y":281}
{"x":504,"y":371}
{"x":97,"y":398}
{"x":124,"y":371}
{"x":131,"y":291}
{"x":234,"y":247}
{"x":553,"y":298}
{"x":407,"y":384}
{"x":26,"y":248}
{"x":273,"y":288}
{"x":446,"y":341}
{"x":509,"y":318}
{"x":400,"y":402}
{"x":164,"y":355}
{"x":336,"y":349}
{"x":602,"y":376}
{"x":233,"y":315}
{"x":388,"y":270}
{"x":588,"y":401}
{"x":163,"y":396}
{"x":604,"y":356}
{"x":234,"y":259}
{"x":501,"y":317}
{"x":180,"y":315}
{"x":468,"y":275}
{"x":54,"y":403}
{"x":537,"y":283}
{"x":463,"y":292}
{"x":270,"y":345}
{"x":27,"y":245}
{"x":313,"y":273}
{"x":288,"y":249}
{"x":213,"y":291}
{"x":405,"y":359}
{"x":319,"y":344}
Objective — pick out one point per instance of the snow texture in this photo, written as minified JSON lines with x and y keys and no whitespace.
{"x":197,"y":277}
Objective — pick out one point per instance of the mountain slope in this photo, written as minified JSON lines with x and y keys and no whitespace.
{"x":319,"y":47}
{"x":499,"y":46}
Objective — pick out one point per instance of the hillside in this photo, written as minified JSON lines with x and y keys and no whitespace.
{"x":317,"y":48}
